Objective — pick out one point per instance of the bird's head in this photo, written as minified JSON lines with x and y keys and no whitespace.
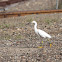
{"x":34,"y":22}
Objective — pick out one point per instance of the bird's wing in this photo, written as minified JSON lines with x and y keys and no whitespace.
{"x":43,"y":33}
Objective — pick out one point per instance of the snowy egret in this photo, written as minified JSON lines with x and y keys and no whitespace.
{"x":40,"y":32}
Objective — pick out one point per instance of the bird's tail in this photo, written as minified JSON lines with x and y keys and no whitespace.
{"x":49,"y":36}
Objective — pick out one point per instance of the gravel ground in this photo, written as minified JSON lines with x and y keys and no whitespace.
{"x":19,"y":43}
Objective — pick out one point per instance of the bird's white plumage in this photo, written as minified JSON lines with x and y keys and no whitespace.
{"x":43,"y":34}
{"x":40,"y":32}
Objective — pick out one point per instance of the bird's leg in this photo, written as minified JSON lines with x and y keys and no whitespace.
{"x":40,"y":42}
{"x":50,"y":44}
{"x":49,"y":40}
{"x":39,"y":38}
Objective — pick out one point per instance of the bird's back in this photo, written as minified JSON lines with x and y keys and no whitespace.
{"x":43,"y":33}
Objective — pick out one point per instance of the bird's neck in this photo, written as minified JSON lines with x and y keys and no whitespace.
{"x":35,"y":26}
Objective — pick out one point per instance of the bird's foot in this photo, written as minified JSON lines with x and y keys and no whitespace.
{"x":50,"y":45}
{"x":40,"y":46}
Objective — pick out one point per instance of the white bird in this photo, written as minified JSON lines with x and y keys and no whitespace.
{"x":40,"y":32}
